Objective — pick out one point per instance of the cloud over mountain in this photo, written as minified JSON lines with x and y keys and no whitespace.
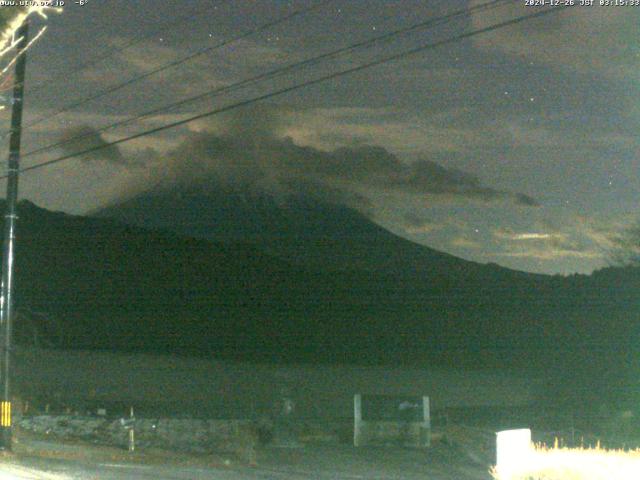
{"x":251,"y":152}
{"x":80,"y":139}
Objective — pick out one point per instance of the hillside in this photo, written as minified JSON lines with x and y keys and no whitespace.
{"x":116,"y":286}
{"x":299,"y":228}
{"x":99,"y":284}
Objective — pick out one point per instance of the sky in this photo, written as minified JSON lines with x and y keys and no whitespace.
{"x":517,"y":147}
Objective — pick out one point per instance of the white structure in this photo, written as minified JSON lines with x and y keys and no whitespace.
{"x":514,"y":452}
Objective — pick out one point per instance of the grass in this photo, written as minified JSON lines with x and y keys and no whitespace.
{"x":562,"y":463}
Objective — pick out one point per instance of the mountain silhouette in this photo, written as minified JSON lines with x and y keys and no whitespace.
{"x":99,"y":283}
{"x":392,"y":300}
{"x":298,"y":228}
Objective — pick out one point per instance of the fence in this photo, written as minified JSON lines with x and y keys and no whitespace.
{"x":380,"y":419}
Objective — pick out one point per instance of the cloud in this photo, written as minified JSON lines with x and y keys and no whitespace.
{"x":207,"y":67}
{"x":543,"y":245}
{"x":249,"y":152}
{"x":414,"y":223}
{"x":577,"y":37}
{"x":551,"y":254}
{"x":428,"y":177}
{"x":613,"y":240}
{"x":466,"y":243}
{"x":621,"y":243}
{"x":617,"y":238}
{"x":79,"y":139}
{"x":507,"y":235}
{"x":83,"y":138}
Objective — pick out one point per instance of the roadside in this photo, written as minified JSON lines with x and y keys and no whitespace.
{"x":457,"y":454}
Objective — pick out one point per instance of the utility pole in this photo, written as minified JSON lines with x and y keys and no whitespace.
{"x":6,"y":287}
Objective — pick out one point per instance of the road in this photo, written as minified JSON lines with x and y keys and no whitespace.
{"x":50,"y":460}
{"x":48,"y":469}
{"x":39,"y":468}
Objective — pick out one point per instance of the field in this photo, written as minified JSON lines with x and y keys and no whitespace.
{"x":468,"y":408}
{"x":557,"y":463}
{"x":447,"y":459}
{"x":204,"y":388}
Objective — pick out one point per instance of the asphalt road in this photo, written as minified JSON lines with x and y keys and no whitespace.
{"x":50,"y":460}
{"x":49,"y":469}
{"x":66,"y":470}
{"x":322,"y":467}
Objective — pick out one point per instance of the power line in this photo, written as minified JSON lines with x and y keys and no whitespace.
{"x":307,"y":83}
{"x":175,"y":63}
{"x":276,"y":72}
{"x":299,"y":86}
{"x":112,"y":52}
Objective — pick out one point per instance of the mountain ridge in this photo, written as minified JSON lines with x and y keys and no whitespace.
{"x":300,"y":229}
{"x":111,"y":286}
